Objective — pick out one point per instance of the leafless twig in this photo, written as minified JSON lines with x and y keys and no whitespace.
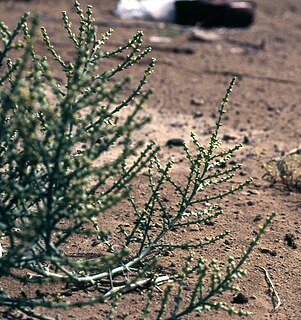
{"x":139,"y":284}
{"x":272,"y":289}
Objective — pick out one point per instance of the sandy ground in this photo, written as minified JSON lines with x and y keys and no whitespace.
{"x":265,"y":111}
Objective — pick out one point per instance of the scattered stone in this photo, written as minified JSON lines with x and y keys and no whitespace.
{"x":290,"y":240}
{"x":175,"y":50}
{"x":228,"y":137}
{"x":167,"y":61}
{"x":213,"y":115}
{"x":188,"y":288}
{"x":256,"y":192}
{"x":95,"y":243}
{"x":240,"y":298}
{"x":204,"y":35}
{"x":237,"y":50}
{"x":39,"y":294}
{"x":165,"y":199}
{"x":250,"y":203}
{"x":178,"y":124}
{"x":68,"y":293}
{"x":258,"y":218}
{"x":228,"y":242}
{"x":246,"y":140}
{"x":239,"y":204}
{"x":182,"y":50}
{"x":157,"y":39}
{"x":272,"y":253}
{"x":166,"y":253}
{"x":197,"y":102}
{"x":273,"y":109}
{"x":194,"y":228}
{"x":197,"y":115}
{"x":175,"y":142}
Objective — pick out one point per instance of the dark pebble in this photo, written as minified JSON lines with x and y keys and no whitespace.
{"x":272,"y":253}
{"x":246,"y":140}
{"x":227,"y":137}
{"x":95,"y":243}
{"x":188,"y":288}
{"x":239,"y":204}
{"x":197,"y":102}
{"x":290,"y":240}
{"x":240,"y":298}
{"x":258,"y":218}
{"x":197,"y":115}
{"x":178,"y":124}
{"x":183,"y":50}
{"x":175,"y":142}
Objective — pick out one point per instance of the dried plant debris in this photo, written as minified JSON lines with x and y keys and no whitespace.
{"x":285,"y":170}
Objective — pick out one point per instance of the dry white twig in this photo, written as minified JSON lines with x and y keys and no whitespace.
{"x":272,"y":289}
{"x":294,"y":151}
{"x":139,"y":284}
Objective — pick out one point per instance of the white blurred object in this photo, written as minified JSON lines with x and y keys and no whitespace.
{"x":162,"y":10}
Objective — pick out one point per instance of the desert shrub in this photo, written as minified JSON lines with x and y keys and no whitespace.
{"x":58,"y":178}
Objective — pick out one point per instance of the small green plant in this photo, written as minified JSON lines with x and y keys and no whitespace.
{"x":58,"y":178}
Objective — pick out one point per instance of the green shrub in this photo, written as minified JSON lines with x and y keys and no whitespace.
{"x":58,"y":178}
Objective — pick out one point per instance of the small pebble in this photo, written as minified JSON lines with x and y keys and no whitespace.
{"x":272,"y":253}
{"x":256,"y":192}
{"x":197,"y":115}
{"x":228,"y":242}
{"x":197,"y":102}
{"x":239,"y":204}
{"x":175,"y":142}
{"x":246,"y":140}
{"x":240,"y":298}
{"x":194,"y":228}
{"x":198,"y":34}
{"x":258,"y":218}
{"x":290,"y":240}
{"x":188,"y":288}
{"x":228,"y":137}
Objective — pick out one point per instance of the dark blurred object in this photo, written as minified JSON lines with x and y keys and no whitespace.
{"x":215,"y":13}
